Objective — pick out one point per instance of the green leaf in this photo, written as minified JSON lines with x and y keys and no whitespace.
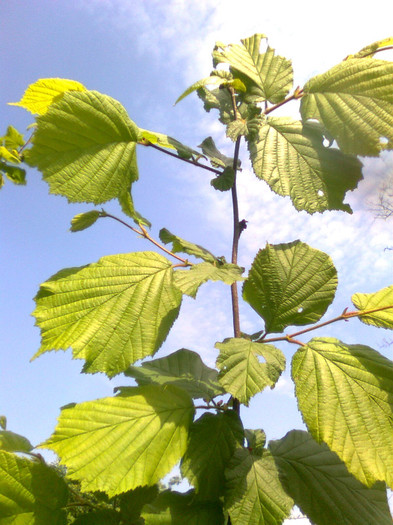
{"x":345,"y":394}
{"x":85,"y":146}
{"x":117,"y":444}
{"x":13,"y":139}
{"x":31,"y":493}
{"x":84,"y":220}
{"x":132,"y":502}
{"x":209,"y":149}
{"x":174,"y":508}
{"x":370,"y":50}
{"x":188,"y":281}
{"x":180,"y":245}
{"x":212,"y":80}
{"x":40,"y":95}
{"x":224,"y":181}
{"x":127,"y":206}
{"x":14,"y":442}
{"x":111,"y":313}
{"x":371,"y":301}
{"x":241,"y":372}
{"x":354,"y":101}
{"x":218,"y":99}
{"x":290,"y":284}
{"x":212,"y":443}
{"x":13,"y":173}
{"x":292,"y":159}
{"x":184,"y":369}
{"x":254,"y":492}
{"x":3,"y":422}
{"x":9,"y":156}
{"x":256,"y":441}
{"x":321,"y":485}
{"x":270,"y":75}
{"x":164,"y":141}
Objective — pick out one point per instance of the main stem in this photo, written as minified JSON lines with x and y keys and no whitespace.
{"x":235,"y":249}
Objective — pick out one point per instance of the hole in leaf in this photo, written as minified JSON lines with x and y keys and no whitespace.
{"x":320,"y":193}
{"x":326,"y":142}
{"x":300,"y":310}
{"x":383,"y":141}
{"x":261,"y":359}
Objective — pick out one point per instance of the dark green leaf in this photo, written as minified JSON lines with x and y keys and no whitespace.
{"x":323,"y":488}
{"x":216,"y":157}
{"x":14,"y":442}
{"x":213,"y":440}
{"x":30,"y":493}
{"x":225,"y":180}
{"x":180,"y":245}
{"x":254,"y":492}
{"x":184,"y":369}
{"x":98,"y":517}
{"x":290,"y":284}
{"x":132,"y":502}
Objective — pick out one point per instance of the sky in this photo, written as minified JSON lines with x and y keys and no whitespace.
{"x":145,"y":54}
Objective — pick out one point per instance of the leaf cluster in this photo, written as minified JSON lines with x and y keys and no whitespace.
{"x":119,"y":310}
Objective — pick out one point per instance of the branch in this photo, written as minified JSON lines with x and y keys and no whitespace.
{"x":298,"y":93}
{"x":193,"y":162}
{"x":343,"y":317}
{"x":144,"y":233}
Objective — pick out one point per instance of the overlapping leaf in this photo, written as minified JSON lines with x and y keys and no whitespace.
{"x":241,"y":372}
{"x":14,"y":442}
{"x":354,"y":101}
{"x":147,"y":137}
{"x":290,"y":284}
{"x":254,"y":491}
{"x":31,"y":493}
{"x":321,"y":485}
{"x":370,"y":50}
{"x":85,"y":147}
{"x":39,"y":96}
{"x":189,"y":281}
{"x":345,"y":393}
{"x":212,"y":443}
{"x":175,"y":508}
{"x":184,"y":369}
{"x":111,"y":313}
{"x":270,"y":75}
{"x":294,"y":162}
{"x":117,"y":444}
{"x":181,"y":245}
{"x":372,"y":301}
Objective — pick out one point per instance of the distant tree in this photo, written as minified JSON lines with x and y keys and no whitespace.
{"x":116,"y":451}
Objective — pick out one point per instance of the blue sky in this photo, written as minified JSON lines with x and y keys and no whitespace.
{"x":145,"y":54}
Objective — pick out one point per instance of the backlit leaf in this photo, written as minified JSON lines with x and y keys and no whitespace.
{"x":117,"y":444}
{"x":322,"y":487}
{"x":217,"y":158}
{"x":181,"y":245}
{"x":31,"y":493}
{"x":354,"y":101}
{"x":40,"y":95}
{"x":270,"y":74}
{"x":294,"y":162}
{"x":14,"y":442}
{"x":212,"y":80}
{"x":13,"y":139}
{"x":111,"y":313}
{"x":164,"y":141}
{"x":188,"y":281}
{"x":254,"y":492}
{"x":184,"y":369}
{"x":290,"y":284}
{"x":127,"y":207}
{"x":242,"y":371}
{"x":213,"y":440}
{"x":345,"y":393}
{"x":224,"y":181}
{"x":370,"y":50}
{"x":371,"y":301}
{"x":85,"y":146}
{"x":84,"y":220}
